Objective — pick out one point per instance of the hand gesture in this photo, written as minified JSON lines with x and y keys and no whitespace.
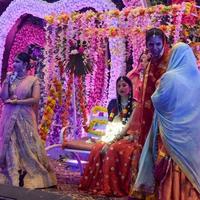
{"x":11,"y":101}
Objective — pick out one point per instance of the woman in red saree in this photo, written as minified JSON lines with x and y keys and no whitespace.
{"x":136,"y":75}
{"x":108,"y":171}
{"x":169,"y":164}
{"x":156,"y":43}
{"x":157,"y":46}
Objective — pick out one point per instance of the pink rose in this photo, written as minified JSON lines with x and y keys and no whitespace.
{"x":81,"y":50}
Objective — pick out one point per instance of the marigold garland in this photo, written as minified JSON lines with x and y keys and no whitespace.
{"x":66,"y":105}
{"x":48,"y":113}
{"x":93,"y":123}
{"x":95,"y":110}
{"x":81,"y":98}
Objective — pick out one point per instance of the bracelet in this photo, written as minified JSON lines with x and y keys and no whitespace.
{"x":162,"y":154}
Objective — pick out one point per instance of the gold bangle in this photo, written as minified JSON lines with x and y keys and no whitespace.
{"x":162,"y":154}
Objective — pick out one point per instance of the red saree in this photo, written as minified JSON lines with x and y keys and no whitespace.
{"x":136,"y":78}
{"x":143,"y":115}
{"x":110,"y":174}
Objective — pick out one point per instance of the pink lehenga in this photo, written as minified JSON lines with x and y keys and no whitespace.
{"x":21,"y":150}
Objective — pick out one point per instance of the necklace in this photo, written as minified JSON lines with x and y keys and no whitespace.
{"x":21,"y":77}
{"x":124,"y":104}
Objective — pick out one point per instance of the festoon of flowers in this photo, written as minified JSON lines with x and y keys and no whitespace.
{"x":114,"y":32}
{"x":97,"y":113}
{"x":39,"y":8}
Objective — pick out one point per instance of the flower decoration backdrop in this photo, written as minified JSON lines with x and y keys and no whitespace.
{"x":98,"y":30}
{"x":73,"y":88}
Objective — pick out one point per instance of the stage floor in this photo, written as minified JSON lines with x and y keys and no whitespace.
{"x":68,"y":181}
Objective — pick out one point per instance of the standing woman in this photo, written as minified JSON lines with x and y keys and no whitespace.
{"x":23,"y":160}
{"x":136,"y":75}
{"x":170,"y":160}
{"x":156,"y":43}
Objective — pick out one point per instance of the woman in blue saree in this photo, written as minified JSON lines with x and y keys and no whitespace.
{"x":170,"y":161}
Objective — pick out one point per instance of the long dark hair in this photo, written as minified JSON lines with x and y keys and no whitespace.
{"x":129,"y":106}
{"x":25,"y":58}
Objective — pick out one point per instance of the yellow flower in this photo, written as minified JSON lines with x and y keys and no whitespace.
{"x":95,"y":109}
{"x":112,"y":114}
{"x":188,"y":7}
{"x":124,"y":111}
{"x":75,"y":16}
{"x":49,"y":19}
{"x":135,"y":12}
{"x":166,"y":9}
{"x":89,"y":15}
{"x":114,"y":13}
{"x":113,"y":31}
{"x":64,"y":17}
{"x":150,"y":10}
{"x":48,"y":109}
{"x":52,"y":91}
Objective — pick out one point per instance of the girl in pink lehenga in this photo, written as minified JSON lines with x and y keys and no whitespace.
{"x":23,"y":161}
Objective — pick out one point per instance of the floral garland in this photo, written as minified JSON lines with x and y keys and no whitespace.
{"x":82,"y":102}
{"x":90,"y":78}
{"x":48,"y":57}
{"x":114,"y":25}
{"x":66,"y":105}
{"x":48,"y":114}
{"x":41,"y":9}
{"x":118,"y":63}
{"x":55,"y":94}
{"x":96,"y":110}
{"x":93,"y":123}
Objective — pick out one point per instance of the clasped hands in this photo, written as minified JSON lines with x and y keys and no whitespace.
{"x":12,"y":100}
{"x":106,"y":146}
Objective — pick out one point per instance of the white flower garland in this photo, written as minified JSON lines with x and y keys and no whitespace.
{"x":41,"y":9}
{"x":118,"y":64}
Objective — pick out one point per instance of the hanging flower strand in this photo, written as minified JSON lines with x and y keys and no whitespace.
{"x":65,"y":114}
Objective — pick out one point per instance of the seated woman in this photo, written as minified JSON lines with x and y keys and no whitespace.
{"x":108,"y":171}
{"x":170,"y":163}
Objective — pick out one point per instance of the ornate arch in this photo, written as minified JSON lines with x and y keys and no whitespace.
{"x":39,"y":8}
